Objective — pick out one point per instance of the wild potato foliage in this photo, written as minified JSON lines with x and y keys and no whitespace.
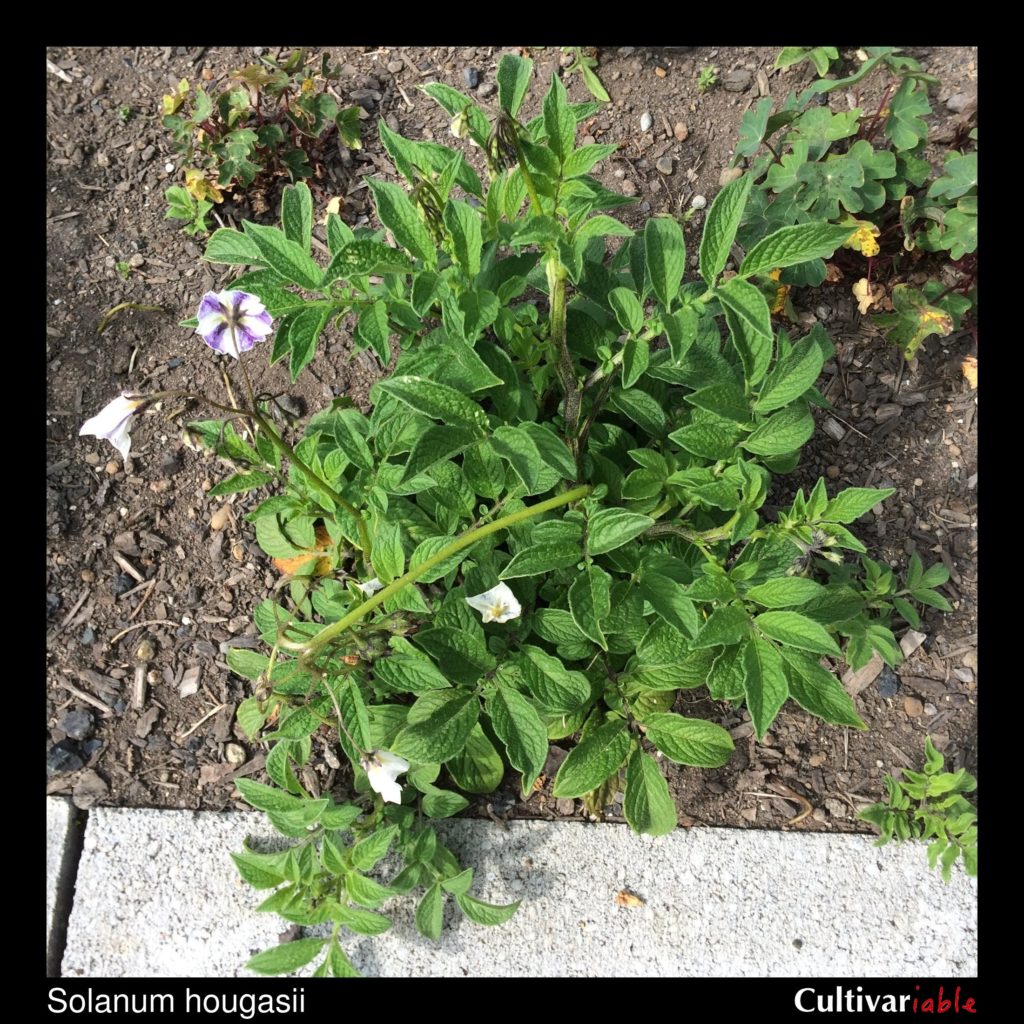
{"x":566,"y":416}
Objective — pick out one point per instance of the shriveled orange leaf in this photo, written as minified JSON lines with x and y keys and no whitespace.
{"x":969,"y":368}
{"x":289,"y":566}
{"x":200,"y":187}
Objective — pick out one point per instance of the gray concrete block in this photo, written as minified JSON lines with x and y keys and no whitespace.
{"x":59,"y":846}
{"x":157,"y":895}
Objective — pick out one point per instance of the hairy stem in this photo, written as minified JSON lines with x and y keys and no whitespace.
{"x":466,"y":539}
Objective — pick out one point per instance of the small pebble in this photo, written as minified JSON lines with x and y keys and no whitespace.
{"x":111,"y":467}
{"x":913,"y":707}
{"x":63,"y":757}
{"x":628,"y":188}
{"x":169,"y":167}
{"x":698,"y":202}
{"x":729,"y":174}
{"x":88,"y":576}
{"x":121,"y":583}
{"x":471,"y":77}
{"x":234,"y":753}
{"x":145,"y":651}
{"x":681,"y":132}
{"x":957,"y":103}
{"x":486,"y":89}
{"x":88,"y":636}
{"x":737,"y":81}
{"x":888,"y":682}
{"x":93,"y":459}
{"x":77,"y":724}
{"x":665,"y":165}
{"x":395,"y":66}
{"x":832,"y":472}
{"x":646,"y":121}
{"x":100,"y":83}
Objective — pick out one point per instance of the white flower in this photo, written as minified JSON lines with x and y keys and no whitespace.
{"x":498,"y":604}
{"x":112,"y":422}
{"x":382,"y":769}
{"x":370,"y":587}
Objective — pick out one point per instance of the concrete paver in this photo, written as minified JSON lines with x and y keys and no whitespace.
{"x":157,"y":895}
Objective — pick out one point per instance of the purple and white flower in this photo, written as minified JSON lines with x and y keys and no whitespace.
{"x":382,"y":769}
{"x":498,"y":604}
{"x":232,"y":322}
{"x":112,"y":422}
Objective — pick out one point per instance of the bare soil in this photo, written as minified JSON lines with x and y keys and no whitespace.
{"x":149,"y":580}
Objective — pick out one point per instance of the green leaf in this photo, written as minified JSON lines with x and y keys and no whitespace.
{"x":753,"y":126}
{"x":590,"y":602}
{"x":297,"y":214}
{"x":748,"y":304}
{"x":240,"y":482}
{"x":960,"y":177}
{"x":906,"y":124}
{"x":396,"y":212}
{"x":792,"y":245}
{"x":596,"y":757}
{"x":726,"y":400}
{"x":437,"y":401}
{"x":781,"y":433}
{"x":405,"y":673}
{"x":341,"y":966}
{"x":602,"y":226}
{"x":791,"y":376}
{"x":849,"y":505}
{"x":442,"y":803}
{"x":287,"y":957}
{"x":541,"y":558}
{"x":443,"y":732}
{"x":517,"y":447}
{"x":668,"y":599}
{"x":463,"y":222}
{"x":232,"y":247}
{"x":726,"y":625}
{"x":303,"y":335}
{"x":349,"y":432}
{"x":665,"y":251}
{"x":429,"y":912}
{"x":610,"y":528}
{"x":627,"y":308}
{"x":720,"y":228}
{"x":559,"y":122}
{"x":367,"y":892}
{"x":260,"y":870}
{"x":513,"y":77}
{"x":365,"y":257}
{"x":558,"y":690}
{"x":521,"y":729}
{"x":478,"y":767}
{"x":689,"y":740}
{"x":647,"y":803}
{"x":552,"y":449}
{"x":636,"y":357}
{"x":785,"y":592}
{"x":819,"y":692}
{"x":764,"y":683}
{"x":796,"y":630}
{"x":580,"y":161}
{"x":373,"y":330}
{"x":367,"y":852}
{"x":485,"y":913}
{"x":285,"y":257}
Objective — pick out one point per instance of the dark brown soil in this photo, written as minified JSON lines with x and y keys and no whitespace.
{"x":910,"y":427}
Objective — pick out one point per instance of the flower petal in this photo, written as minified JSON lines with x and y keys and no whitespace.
{"x":498,"y":604}
{"x":209,"y":303}
{"x":113,"y":421}
{"x":382,"y":783}
{"x":370,"y":587}
{"x":392,"y":763}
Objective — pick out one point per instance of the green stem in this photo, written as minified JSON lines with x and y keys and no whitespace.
{"x":527,"y":177}
{"x":285,"y":449}
{"x":328,"y":633}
